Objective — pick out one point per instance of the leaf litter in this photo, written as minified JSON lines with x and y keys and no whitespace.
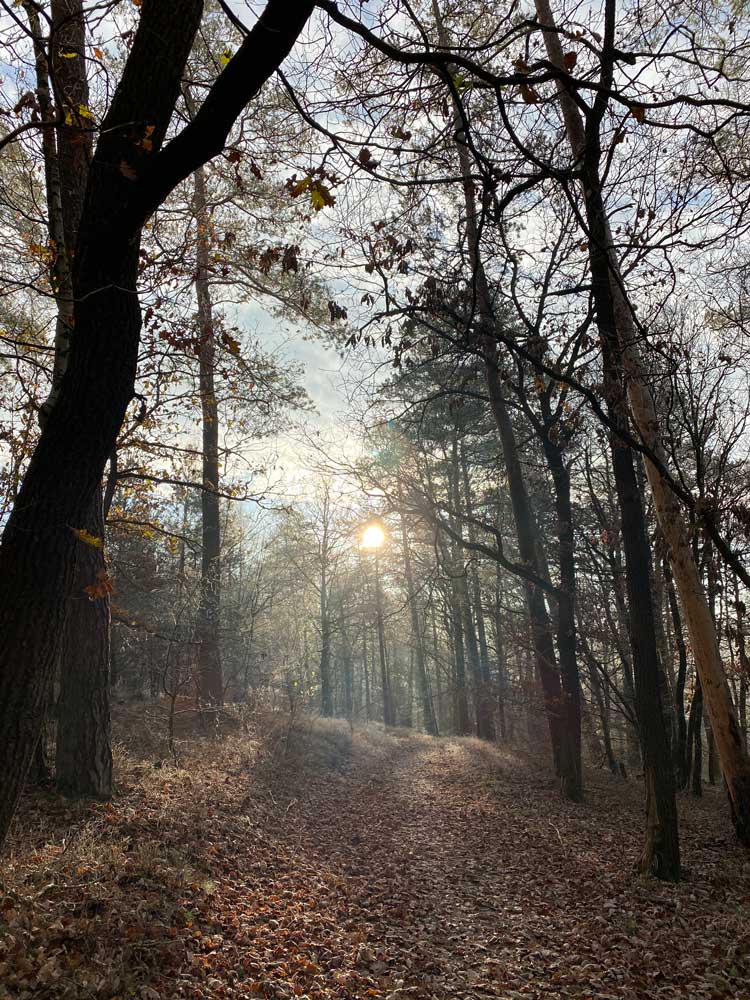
{"x":312,"y":863}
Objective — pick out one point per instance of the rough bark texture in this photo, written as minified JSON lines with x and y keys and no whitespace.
{"x":83,"y":757}
{"x":83,"y":760}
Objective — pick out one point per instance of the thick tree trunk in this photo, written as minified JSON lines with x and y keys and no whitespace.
{"x":83,"y":756}
{"x":661,"y":853}
{"x":83,"y":759}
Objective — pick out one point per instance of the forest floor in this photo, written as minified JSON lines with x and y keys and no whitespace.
{"x":309,"y":863}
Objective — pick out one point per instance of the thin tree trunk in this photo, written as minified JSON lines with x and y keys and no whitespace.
{"x":389,"y":718}
{"x":485,"y":713}
{"x":602,"y":708}
{"x":695,"y":739}
{"x":482,"y":709}
{"x":428,"y":710}
{"x":210,"y":677}
{"x":566,"y":622}
{"x":326,"y":686}
{"x":529,"y":545}
{"x":679,"y":747}
{"x":461,"y":721}
{"x":500,"y":653}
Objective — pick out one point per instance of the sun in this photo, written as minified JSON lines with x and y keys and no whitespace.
{"x":373,"y":537}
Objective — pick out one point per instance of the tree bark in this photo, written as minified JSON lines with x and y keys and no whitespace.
{"x":566,"y":621}
{"x":83,"y":759}
{"x":661,"y":847}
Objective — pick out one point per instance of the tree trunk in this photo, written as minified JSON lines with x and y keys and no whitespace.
{"x":566,"y":621}
{"x":501,"y":655}
{"x":679,"y":746}
{"x":83,"y":760}
{"x":83,"y":757}
{"x":602,"y":708}
{"x":485,"y":713}
{"x":389,"y":717}
{"x":428,"y":710}
{"x":210,"y":676}
{"x":661,"y":847}
{"x":482,"y":706}
{"x":461,"y":721}
{"x":40,"y":772}
{"x":695,"y":738}
{"x":529,"y":545}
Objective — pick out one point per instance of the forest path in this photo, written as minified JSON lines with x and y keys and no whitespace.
{"x":468,"y":877}
{"x":315,"y":865}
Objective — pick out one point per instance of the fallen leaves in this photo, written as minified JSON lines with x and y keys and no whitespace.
{"x":392,"y":867}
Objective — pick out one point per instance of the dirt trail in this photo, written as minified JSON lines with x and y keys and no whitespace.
{"x":478,"y":881}
{"x":388,"y":866}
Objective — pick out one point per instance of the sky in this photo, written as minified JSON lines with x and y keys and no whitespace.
{"x":334,"y":383}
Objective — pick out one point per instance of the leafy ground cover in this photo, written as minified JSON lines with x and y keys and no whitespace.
{"x":318,"y":863}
